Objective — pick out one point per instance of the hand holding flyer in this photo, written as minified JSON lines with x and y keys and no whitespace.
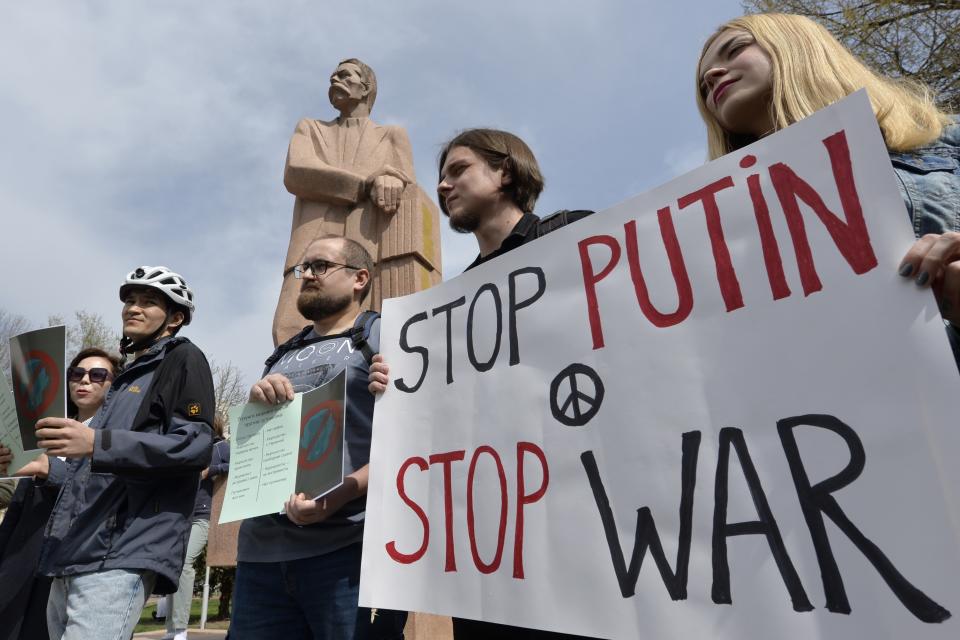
{"x":10,"y":434}
{"x":37,"y":363}
{"x":296,"y":447}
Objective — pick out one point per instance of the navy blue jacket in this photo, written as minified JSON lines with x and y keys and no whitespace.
{"x":23,"y":596}
{"x":219,"y":465}
{"x":130,"y":505}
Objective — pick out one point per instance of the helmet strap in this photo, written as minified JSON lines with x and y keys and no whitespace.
{"x":128,"y":346}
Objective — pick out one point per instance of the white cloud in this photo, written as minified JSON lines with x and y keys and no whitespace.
{"x":155,"y":133}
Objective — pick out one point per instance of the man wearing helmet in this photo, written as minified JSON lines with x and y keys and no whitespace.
{"x":118,"y":531}
{"x":165,"y":294}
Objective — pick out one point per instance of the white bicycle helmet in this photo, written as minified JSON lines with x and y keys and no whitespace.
{"x":171,"y":284}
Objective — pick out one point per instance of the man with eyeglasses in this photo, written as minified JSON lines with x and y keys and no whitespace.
{"x":298,"y":574}
{"x":120,"y":526}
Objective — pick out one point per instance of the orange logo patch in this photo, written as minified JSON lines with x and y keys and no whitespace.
{"x":193,"y":408}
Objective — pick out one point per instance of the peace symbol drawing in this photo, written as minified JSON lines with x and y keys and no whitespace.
{"x":582,"y":394}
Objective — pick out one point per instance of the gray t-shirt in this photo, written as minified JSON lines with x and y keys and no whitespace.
{"x":274,"y":538}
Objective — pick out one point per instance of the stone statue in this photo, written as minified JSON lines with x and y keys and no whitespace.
{"x":355,"y":178}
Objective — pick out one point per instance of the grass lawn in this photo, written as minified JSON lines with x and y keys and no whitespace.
{"x":147,"y":623}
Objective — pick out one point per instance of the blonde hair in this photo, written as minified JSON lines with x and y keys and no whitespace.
{"x":811,"y":70}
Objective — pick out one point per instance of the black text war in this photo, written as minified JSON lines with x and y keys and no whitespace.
{"x":816,"y":501}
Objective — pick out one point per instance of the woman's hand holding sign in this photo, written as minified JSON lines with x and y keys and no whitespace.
{"x":934,"y":260}
{"x":39,"y":467}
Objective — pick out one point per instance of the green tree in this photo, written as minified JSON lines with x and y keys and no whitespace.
{"x":912,"y":39}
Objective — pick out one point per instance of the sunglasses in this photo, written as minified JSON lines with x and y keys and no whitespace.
{"x":98,"y":375}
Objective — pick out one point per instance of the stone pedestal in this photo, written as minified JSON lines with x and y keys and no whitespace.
{"x":425,"y":626}
{"x":409,"y":249}
{"x":222,"y":539}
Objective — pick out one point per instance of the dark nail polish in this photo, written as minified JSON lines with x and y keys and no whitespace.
{"x":923,"y":278}
{"x":905,"y":270}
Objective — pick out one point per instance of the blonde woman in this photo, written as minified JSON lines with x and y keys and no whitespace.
{"x":760,"y":73}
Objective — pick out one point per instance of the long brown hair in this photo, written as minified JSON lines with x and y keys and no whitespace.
{"x":502,"y":150}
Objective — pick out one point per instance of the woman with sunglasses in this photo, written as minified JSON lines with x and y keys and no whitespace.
{"x":23,"y":597}
{"x":88,"y":377}
{"x":760,"y":73}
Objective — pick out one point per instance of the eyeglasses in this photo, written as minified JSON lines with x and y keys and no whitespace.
{"x":317,"y":268}
{"x":98,"y":375}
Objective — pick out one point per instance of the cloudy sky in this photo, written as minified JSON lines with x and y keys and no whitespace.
{"x":155,"y":133}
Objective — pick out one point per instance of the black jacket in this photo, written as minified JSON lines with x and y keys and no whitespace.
{"x":130,"y":506}
{"x":219,"y":464}
{"x":23,"y":596}
{"x":528,"y":228}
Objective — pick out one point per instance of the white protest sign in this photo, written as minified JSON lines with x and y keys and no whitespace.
{"x":712,"y":411}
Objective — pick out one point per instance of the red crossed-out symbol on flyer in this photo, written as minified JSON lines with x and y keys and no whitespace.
{"x":319,"y":433}
{"x":36,"y":392}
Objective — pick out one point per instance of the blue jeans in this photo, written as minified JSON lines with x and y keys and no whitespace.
{"x":306,"y":599}
{"x":103,"y":605}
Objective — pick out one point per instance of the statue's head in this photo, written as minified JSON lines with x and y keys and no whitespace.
{"x":352,"y":81}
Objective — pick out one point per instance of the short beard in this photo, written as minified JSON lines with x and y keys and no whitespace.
{"x":314,"y":305}
{"x":466,"y":222}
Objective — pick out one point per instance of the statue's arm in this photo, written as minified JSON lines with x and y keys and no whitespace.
{"x":309,"y":177}
{"x":399,"y":159}
{"x":386,"y":184}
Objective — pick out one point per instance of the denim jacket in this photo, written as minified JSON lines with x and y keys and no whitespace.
{"x":929,"y":181}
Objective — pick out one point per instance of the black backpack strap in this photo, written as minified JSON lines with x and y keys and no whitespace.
{"x":559,"y":219}
{"x":361,"y":332}
{"x":289,"y":345}
{"x":358,"y":339}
